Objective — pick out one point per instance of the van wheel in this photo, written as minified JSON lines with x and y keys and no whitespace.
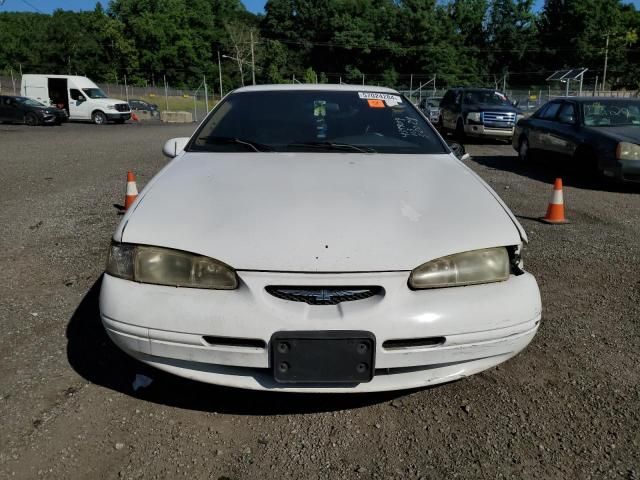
{"x":99,"y":118}
{"x":31,"y":119}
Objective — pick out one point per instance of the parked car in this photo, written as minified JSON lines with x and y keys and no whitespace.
{"x":141,"y":105}
{"x":25,"y":110}
{"x":431,"y":108}
{"x":79,"y":96}
{"x":478,"y":112}
{"x":603,"y":134}
{"x":318,"y":238}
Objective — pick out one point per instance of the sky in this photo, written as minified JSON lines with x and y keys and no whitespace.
{"x":48,"y":6}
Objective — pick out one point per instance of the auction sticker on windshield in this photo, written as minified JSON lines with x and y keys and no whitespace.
{"x":390,"y":100}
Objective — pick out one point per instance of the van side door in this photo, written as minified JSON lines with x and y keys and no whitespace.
{"x":78,"y":105}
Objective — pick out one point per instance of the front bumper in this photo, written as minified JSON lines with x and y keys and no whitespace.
{"x":118,"y":116}
{"x":623,"y":170}
{"x":479,"y":130}
{"x":483,"y":325}
{"x":52,"y":118}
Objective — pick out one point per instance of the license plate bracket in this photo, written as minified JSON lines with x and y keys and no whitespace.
{"x":331,"y":356}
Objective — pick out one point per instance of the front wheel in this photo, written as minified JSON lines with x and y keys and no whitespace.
{"x":524,"y":151}
{"x":99,"y":118}
{"x":31,"y":119}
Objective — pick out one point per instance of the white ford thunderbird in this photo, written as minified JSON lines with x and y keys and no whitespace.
{"x":318,"y":238}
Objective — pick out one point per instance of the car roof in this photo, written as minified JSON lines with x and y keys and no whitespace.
{"x":608,"y":99}
{"x":316,"y":86}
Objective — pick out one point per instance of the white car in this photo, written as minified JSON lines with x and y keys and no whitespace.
{"x":318,"y":238}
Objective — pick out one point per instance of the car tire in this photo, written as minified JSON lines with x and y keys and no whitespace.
{"x":98,"y":118}
{"x":31,"y":119}
{"x":524,"y":151}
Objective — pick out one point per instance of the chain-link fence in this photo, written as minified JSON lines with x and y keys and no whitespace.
{"x":164,"y":98}
{"x":202,"y":97}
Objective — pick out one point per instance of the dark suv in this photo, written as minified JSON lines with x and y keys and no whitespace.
{"x":480,"y":112}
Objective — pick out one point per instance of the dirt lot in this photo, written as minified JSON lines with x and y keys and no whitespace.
{"x":567,"y":407}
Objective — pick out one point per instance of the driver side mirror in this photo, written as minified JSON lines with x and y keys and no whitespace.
{"x":458,"y":150}
{"x":568,"y":119}
{"x":174,"y":146}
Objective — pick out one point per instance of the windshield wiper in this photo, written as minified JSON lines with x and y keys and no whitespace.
{"x":333,"y":146}
{"x":257,"y":147}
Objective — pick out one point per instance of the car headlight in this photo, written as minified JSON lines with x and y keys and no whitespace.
{"x":473,"y":116}
{"x":164,"y":266}
{"x":628,"y":151}
{"x":467,"y":268}
{"x":519,"y":117}
{"x":111,"y":107}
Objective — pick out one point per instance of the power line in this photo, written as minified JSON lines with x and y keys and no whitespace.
{"x":28,"y":4}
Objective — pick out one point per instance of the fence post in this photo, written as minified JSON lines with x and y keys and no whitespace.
{"x":206,"y":98}
{"x":166,"y":98}
{"x":195,"y":108}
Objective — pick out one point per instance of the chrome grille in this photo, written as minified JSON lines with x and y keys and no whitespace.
{"x":323,"y":295}
{"x":499,"y":119}
{"x":122,"y":107}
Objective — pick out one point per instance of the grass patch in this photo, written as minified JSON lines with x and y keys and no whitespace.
{"x":183,"y":104}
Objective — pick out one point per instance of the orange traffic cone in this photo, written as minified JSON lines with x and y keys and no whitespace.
{"x":555,"y":211}
{"x":132,"y":191}
{"x":134,"y":117}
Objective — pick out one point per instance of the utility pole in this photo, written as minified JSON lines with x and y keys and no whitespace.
{"x":363,"y":79}
{"x":253,"y":60}
{"x":606,"y":58}
{"x":595,"y":87}
{"x":220,"y":74}
{"x":504,"y":83}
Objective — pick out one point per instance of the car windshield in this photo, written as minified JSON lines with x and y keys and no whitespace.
{"x":434,"y":102}
{"x":316,"y":120}
{"x":485,"y":97}
{"x":94,"y":93}
{"x":29,"y":102}
{"x":604,"y":113}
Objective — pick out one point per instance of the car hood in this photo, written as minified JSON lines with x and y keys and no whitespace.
{"x":626,"y":133}
{"x":318,"y":212}
{"x":107,"y":101}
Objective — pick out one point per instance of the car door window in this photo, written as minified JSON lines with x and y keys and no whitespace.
{"x":550,"y":112}
{"x":567,"y":114}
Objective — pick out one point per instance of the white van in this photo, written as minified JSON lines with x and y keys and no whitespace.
{"x":79,"y":96}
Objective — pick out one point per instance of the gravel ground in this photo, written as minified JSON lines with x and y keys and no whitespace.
{"x":567,"y":407}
